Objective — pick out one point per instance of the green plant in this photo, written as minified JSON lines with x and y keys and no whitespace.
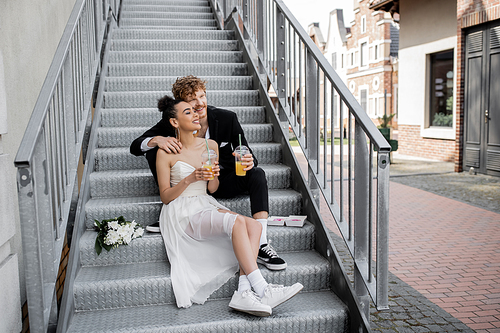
{"x":441,"y":119}
{"x":385,"y":120}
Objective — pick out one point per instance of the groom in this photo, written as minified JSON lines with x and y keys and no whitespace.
{"x":223,"y":127}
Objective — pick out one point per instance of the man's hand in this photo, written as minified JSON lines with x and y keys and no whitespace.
{"x":247,"y":160}
{"x":168,"y":144}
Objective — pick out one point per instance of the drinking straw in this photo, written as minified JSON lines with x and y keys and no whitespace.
{"x":208,"y":150}
{"x":239,"y":135}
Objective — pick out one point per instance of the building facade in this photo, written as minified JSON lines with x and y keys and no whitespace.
{"x":448,"y":97}
{"x":371,"y":61}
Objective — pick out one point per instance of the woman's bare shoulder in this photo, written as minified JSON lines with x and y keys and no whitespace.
{"x":212,"y":144}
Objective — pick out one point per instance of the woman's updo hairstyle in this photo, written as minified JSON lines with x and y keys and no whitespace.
{"x":166,"y":105}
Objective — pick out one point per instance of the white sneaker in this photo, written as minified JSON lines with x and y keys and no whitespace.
{"x":249,"y":302}
{"x":276,"y":294}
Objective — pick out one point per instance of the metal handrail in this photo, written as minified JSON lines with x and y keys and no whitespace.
{"x":307,"y":87}
{"x":49,"y":153}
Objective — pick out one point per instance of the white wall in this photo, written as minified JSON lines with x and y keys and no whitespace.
{"x":426,"y":27}
{"x":29,"y":34}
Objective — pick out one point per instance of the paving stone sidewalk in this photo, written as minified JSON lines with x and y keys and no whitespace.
{"x":444,"y":249}
{"x":410,"y":311}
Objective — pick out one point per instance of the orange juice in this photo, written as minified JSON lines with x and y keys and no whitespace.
{"x":239,"y":169}
{"x":209,"y":167}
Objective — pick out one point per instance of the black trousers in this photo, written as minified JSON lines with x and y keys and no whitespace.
{"x":255,"y":183}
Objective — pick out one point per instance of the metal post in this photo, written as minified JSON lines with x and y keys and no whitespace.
{"x":261,"y":30}
{"x":281,"y":55}
{"x":312,"y":115}
{"x":245,"y":14}
{"x":361,"y":217}
{"x":382,"y":230}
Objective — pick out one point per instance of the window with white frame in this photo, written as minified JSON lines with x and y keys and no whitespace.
{"x":364,"y":54}
{"x":375,"y":53}
{"x":441,"y":89}
{"x":363,"y":24}
{"x":363,"y":98}
{"x":334,"y":60}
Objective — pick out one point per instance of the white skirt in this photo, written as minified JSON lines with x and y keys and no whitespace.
{"x":198,"y":242}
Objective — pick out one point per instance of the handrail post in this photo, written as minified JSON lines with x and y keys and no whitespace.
{"x":383,"y":167}
{"x":312,"y":121}
{"x":261,"y":29}
{"x":245,"y":13}
{"x":361,"y":217}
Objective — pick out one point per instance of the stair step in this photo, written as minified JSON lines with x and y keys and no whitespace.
{"x":140,"y":182}
{"x":184,"y":15}
{"x":178,"y":69}
{"x":159,"y":57}
{"x":185,"y":24}
{"x":145,"y":210}
{"x":163,"y":83}
{"x":149,"y":117}
{"x":149,"y":99}
{"x":149,"y":283}
{"x":173,"y":35}
{"x":165,"y":8}
{"x":107,"y":159}
{"x":174,"y":28}
{"x":109,"y":137}
{"x":320,"y":311}
{"x":201,"y":3}
{"x":150,"y":247}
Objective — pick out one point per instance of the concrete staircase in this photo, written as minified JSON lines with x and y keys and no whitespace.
{"x":129,"y":288}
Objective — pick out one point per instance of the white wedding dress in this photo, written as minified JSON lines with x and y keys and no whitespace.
{"x":198,"y":240}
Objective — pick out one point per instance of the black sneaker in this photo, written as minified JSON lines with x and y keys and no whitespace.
{"x":269,"y":258}
{"x":155,"y":227}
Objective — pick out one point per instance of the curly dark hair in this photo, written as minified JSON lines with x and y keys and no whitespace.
{"x":186,"y":86}
{"x":166,"y":105}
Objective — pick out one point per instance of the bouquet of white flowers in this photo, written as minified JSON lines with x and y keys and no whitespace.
{"x":114,"y":232}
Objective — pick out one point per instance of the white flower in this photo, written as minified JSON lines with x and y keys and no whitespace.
{"x":133,"y":224}
{"x":138,"y":233}
{"x":124,"y":230}
{"x":112,"y":238}
{"x":127,"y":238}
{"x":113,"y":225}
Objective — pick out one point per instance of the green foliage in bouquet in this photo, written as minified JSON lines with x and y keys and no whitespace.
{"x":112,"y":233}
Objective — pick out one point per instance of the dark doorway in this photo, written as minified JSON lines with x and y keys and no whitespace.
{"x":482,"y":98}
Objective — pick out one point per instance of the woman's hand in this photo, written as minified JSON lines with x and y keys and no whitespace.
{"x":216,"y":169}
{"x":196,"y":175}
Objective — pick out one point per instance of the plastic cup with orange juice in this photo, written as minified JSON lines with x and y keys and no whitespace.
{"x":239,"y":153}
{"x":208,"y":159}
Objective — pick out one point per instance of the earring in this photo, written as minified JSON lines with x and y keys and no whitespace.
{"x":177,"y":134}
{"x":195,"y":133}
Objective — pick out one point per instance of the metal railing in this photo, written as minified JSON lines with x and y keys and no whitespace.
{"x":313,"y":101}
{"x":49,"y":153}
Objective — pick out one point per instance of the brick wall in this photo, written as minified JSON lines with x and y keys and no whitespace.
{"x":413,"y":144}
{"x":469,"y":13}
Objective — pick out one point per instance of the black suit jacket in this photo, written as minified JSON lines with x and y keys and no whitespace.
{"x":224,"y":128}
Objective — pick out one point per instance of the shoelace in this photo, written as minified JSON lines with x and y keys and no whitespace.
{"x":252,"y":295}
{"x":270,"y":251}
{"x":274,"y":288}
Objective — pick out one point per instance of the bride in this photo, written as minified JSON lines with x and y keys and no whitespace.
{"x":206,"y":243}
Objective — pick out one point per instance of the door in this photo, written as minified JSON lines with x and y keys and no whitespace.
{"x":482,"y":99}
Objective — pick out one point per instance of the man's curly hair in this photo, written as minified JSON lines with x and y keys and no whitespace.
{"x":186,"y":86}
